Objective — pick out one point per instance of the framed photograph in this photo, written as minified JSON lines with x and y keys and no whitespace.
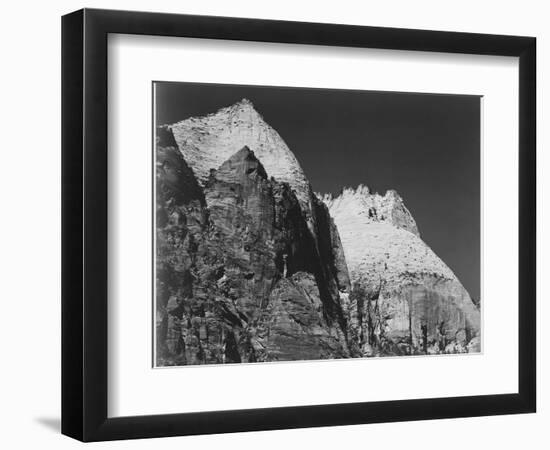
{"x":274,"y":225}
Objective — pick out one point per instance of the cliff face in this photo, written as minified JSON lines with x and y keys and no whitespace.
{"x":238,"y":272}
{"x":404,"y":299}
{"x":206,"y":142}
{"x":253,"y":266}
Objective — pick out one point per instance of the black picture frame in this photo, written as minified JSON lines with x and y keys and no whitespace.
{"x":84,"y":224}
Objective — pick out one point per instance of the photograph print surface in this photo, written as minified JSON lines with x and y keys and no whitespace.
{"x":309,"y":224}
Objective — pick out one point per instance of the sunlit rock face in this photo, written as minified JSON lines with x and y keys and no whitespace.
{"x":252,"y":266}
{"x":404,"y":299}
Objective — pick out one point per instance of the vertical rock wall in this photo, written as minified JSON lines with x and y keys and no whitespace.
{"x":238,"y":272}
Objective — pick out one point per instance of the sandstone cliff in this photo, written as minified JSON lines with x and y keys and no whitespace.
{"x":253,"y":266}
{"x":404,"y":300}
{"x":239,"y":277}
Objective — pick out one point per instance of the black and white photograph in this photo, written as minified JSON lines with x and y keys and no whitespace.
{"x":275,"y":225}
{"x":295,"y":224}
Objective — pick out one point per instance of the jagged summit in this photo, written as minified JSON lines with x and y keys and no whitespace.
{"x":207,"y":141}
{"x":359,"y":203}
{"x":420,"y":301}
{"x":243,"y":105}
{"x":379,"y":235}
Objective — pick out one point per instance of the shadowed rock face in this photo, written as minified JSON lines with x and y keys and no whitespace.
{"x":238,"y":272}
{"x":207,"y":142}
{"x":252,"y":266}
{"x":175,"y":179}
{"x":295,"y":324}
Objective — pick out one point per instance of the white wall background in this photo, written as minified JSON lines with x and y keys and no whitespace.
{"x":30,"y":225}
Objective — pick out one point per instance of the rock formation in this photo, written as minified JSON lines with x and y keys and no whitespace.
{"x":252,"y":266}
{"x":206,"y":142}
{"x":404,"y":300}
{"x":239,"y":275}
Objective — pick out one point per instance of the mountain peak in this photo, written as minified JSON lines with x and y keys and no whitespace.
{"x":380,"y":237}
{"x":241,"y":165}
{"x":244,"y":102}
{"x":208,"y":141}
{"x":241,"y":111}
{"x":369,"y":207}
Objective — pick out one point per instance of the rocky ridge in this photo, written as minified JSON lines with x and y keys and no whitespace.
{"x":253,"y":266}
{"x":409,"y":301}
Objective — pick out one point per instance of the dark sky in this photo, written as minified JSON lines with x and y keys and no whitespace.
{"x":425,"y":146}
